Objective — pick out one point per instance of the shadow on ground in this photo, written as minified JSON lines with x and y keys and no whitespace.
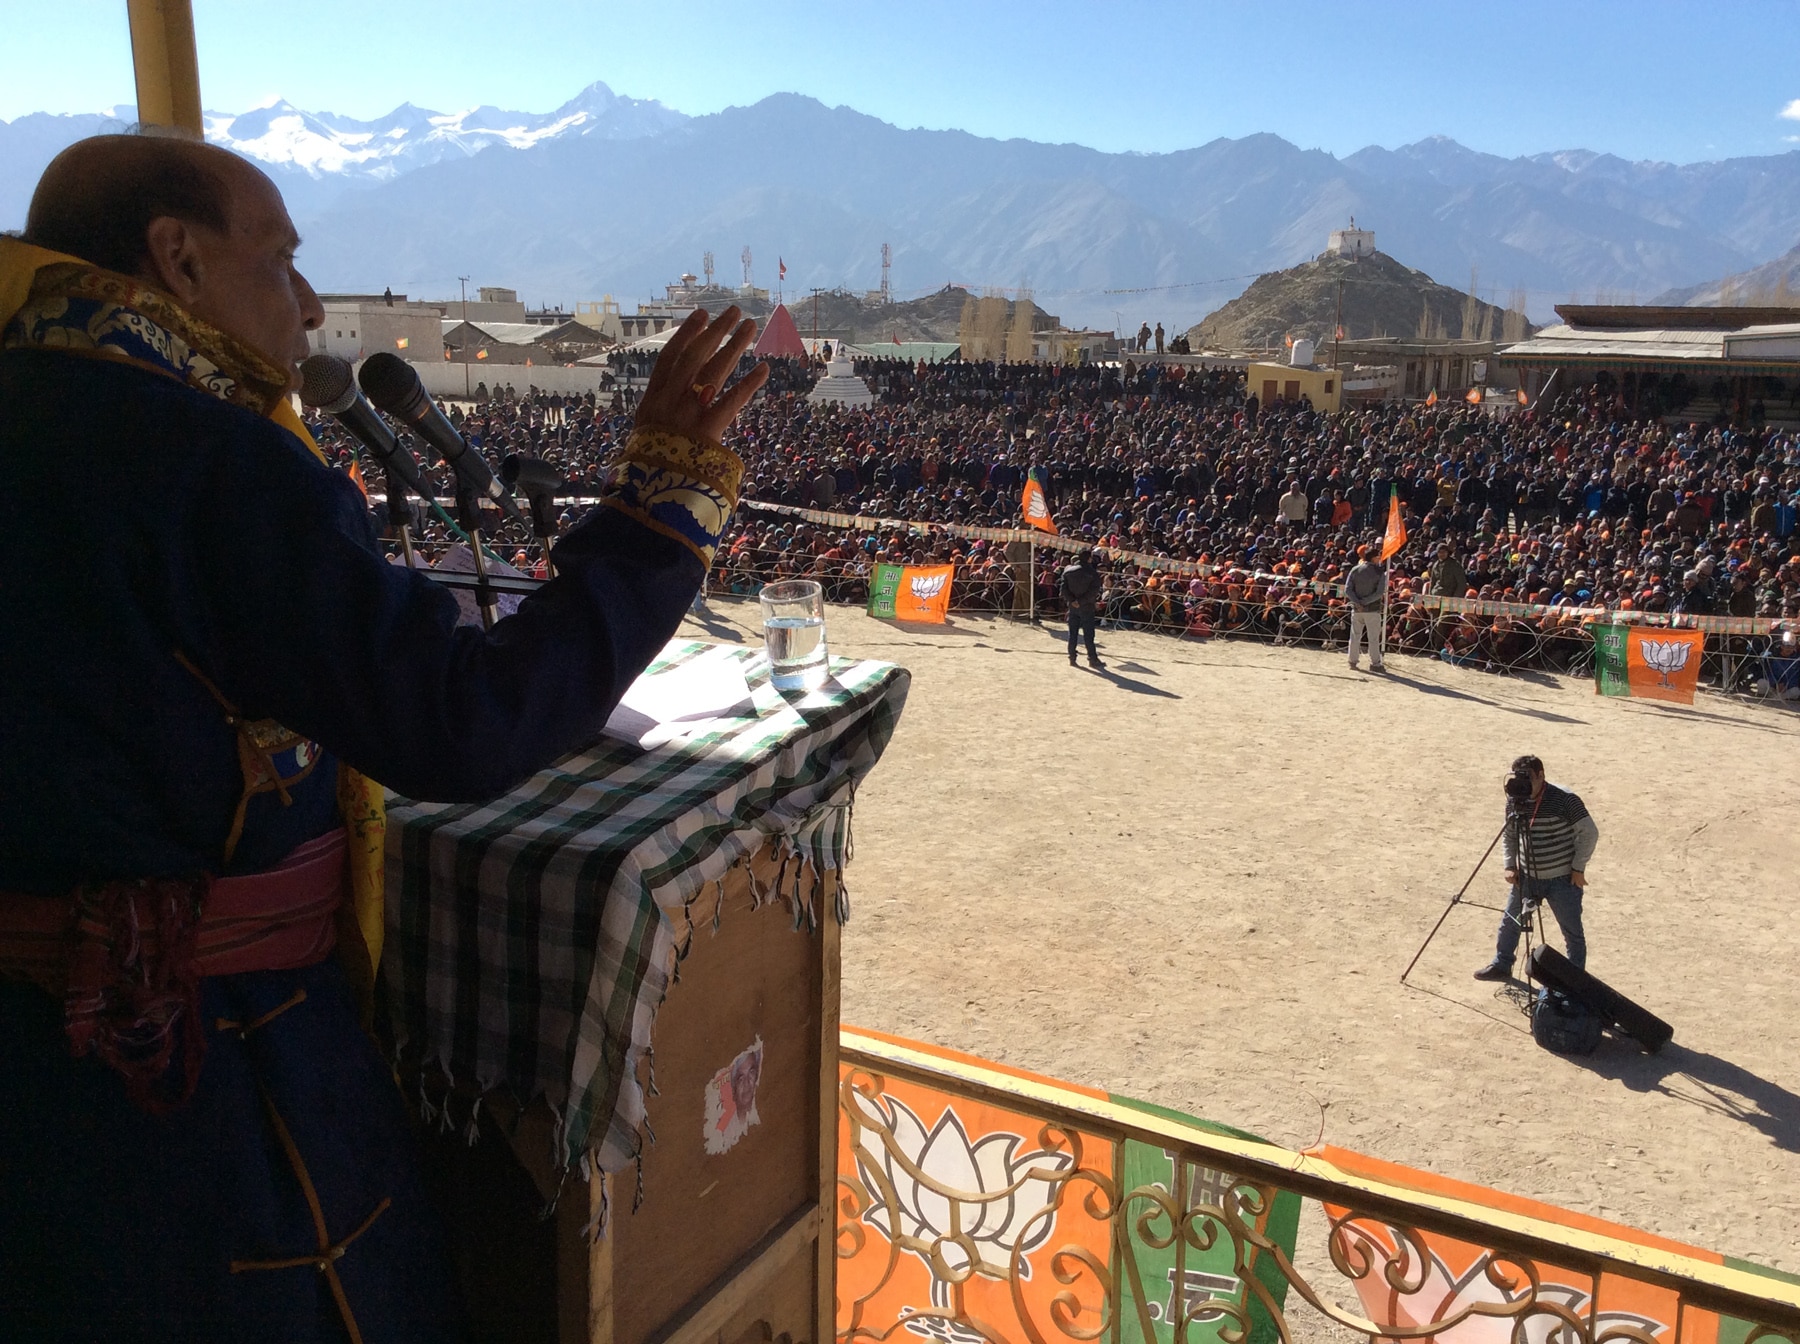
{"x":1433,"y":688}
{"x":1702,"y":1080}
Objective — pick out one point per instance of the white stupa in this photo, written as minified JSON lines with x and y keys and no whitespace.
{"x":840,"y":384}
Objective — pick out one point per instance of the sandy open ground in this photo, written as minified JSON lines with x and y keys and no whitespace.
{"x":1196,"y":878}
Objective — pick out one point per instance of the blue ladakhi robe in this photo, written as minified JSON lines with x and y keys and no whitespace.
{"x":146,"y":515}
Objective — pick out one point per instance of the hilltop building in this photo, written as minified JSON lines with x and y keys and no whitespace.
{"x":1352,"y":242}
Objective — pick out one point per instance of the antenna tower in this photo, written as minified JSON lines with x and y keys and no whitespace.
{"x":746,"y":260}
{"x":887,"y":264}
{"x":706,"y":265}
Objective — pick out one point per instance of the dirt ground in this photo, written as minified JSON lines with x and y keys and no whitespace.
{"x":1196,"y":878}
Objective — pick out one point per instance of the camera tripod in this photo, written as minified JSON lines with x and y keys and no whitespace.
{"x":1531,"y":907}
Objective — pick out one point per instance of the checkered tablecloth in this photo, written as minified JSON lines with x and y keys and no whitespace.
{"x":530,"y":939}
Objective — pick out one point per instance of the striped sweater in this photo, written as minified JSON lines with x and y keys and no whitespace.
{"x":1560,"y":838}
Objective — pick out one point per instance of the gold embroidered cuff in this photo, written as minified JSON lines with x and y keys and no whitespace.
{"x":712,"y":464}
{"x":677,"y":487}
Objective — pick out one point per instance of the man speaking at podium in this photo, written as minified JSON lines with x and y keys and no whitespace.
{"x":204,"y":660}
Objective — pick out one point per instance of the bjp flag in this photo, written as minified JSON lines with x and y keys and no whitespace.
{"x":906,"y":1143}
{"x":1473,"y":397}
{"x":1036,"y":508}
{"x":1484,"y":1296}
{"x":1395,"y":537}
{"x":402,"y":342}
{"x":1647,"y":664}
{"x":1431,"y":398}
{"x":910,"y":593}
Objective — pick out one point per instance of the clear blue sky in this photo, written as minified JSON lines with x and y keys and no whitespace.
{"x":1645,"y":79}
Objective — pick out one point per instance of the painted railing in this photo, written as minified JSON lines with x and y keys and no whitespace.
{"x":979,"y":1204}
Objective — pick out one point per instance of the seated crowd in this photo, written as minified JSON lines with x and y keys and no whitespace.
{"x":1572,"y":505}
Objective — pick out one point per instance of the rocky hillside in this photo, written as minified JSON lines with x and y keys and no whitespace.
{"x":842,"y":315}
{"x":1381,"y":297}
{"x":1774,"y":282}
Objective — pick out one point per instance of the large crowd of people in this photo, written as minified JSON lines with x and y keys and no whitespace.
{"x":1570,"y":505}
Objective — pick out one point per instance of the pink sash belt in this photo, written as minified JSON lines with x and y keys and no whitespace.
{"x":126,"y":958}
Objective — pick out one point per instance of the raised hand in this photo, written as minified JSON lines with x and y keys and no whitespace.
{"x":685,"y":396}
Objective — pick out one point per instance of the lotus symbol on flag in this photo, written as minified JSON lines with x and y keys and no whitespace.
{"x":1035,"y":508}
{"x":1473,"y":1307}
{"x":997,"y":1192}
{"x":1663,"y":656}
{"x":927,"y":588}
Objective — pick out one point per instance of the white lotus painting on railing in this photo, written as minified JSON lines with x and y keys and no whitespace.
{"x":989,"y":1183}
{"x":1442,"y":1296}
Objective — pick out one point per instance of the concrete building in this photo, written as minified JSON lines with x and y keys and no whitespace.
{"x":357,"y":325}
{"x":1299,"y":380}
{"x":1351,"y":242}
{"x":1687,"y":363}
{"x":1426,"y":364}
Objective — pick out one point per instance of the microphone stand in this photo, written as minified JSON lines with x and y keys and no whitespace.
{"x":468,"y":509}
{"x":402,"y":517}
{"x":543,"y":523}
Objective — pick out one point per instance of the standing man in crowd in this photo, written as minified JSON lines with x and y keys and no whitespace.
{"x":1292,"y":505}
{"x":1081,"y":586}
{"x":1549,"y":839}
{"x":1448,"y":577}
{"x":1364,"y":589}
{"x":198,"y":1141}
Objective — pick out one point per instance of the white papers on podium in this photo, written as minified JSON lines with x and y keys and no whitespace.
{"x":459,"y":559}
{"x":662,"y":706}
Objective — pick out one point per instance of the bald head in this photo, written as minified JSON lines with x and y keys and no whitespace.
{"x":97,"y":198}
{"x":190,"y":218}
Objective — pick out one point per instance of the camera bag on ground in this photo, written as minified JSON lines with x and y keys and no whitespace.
{"x":1549,"y":967}
{"x":1562,"y":1024}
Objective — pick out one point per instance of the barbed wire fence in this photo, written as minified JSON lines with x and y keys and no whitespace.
{"x":1749,"y":659}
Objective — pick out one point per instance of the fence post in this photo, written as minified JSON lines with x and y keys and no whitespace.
{"x":1031,"y":574}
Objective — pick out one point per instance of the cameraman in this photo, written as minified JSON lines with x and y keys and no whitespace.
{"x":1549,"y":839}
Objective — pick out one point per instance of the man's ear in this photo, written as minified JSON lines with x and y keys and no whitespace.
{"x":172,"y":258}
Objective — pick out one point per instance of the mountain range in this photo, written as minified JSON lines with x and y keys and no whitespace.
{"x":608,"y":194}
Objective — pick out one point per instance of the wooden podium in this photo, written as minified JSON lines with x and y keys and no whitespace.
{"x":731,"y":1247}
{"x":612,"y":967}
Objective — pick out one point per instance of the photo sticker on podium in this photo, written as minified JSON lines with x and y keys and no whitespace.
{"x":731,"y":1099}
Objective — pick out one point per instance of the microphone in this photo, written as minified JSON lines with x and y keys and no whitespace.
{"x":394,"y":386}
{"x":327,"y":384}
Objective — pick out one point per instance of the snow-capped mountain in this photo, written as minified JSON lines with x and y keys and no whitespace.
{"x":316,"y":156}
{"x":318,"y":143}
{"x":417,"y":198}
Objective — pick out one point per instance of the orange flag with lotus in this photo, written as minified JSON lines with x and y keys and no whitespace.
{"x":1395,"y":537}
{"x":1036,"y":508}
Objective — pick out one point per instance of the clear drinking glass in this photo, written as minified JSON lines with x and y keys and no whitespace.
{"x":794,"y":634}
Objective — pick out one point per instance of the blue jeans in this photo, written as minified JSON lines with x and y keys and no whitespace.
{"x":1564,"y":899}
{"x":1081,"y":623}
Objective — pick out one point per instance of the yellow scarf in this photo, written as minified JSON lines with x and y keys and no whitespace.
{"x":360,"y":799}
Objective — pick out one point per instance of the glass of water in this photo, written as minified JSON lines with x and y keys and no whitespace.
{"x":794,"y":634}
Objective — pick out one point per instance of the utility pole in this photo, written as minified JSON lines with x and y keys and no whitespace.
{"x":887,"y":261}
{"x":464,"y":280}
{"x":1337,"y":326}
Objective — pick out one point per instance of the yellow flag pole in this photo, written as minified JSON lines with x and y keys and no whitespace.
{"x":167,"y":66}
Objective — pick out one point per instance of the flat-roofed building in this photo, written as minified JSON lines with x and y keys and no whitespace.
{"x":1698,"y":362}
{"x":358,"y":325}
